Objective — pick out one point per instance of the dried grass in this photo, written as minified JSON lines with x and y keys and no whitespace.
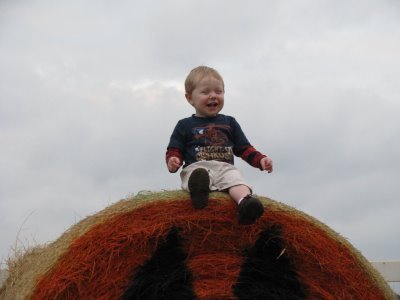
{"x":25,"y":266}
{"x":97,"y":256}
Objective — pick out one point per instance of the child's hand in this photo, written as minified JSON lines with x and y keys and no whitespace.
{"x":266,"y":164}
{"x":174,"y":164}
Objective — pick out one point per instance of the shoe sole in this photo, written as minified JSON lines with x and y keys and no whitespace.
{"x":198,"y":184}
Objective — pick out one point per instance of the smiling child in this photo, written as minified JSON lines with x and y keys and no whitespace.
{"x":206,"y":143}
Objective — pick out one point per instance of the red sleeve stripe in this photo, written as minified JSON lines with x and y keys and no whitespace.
{"x":173,"y":152}
{"x":252,"y":156}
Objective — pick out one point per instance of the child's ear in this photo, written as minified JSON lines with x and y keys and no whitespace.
{"x":189,"y":98}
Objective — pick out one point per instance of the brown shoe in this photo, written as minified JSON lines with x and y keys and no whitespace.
{"x":199,"y":182}
{"x":249,"y":210}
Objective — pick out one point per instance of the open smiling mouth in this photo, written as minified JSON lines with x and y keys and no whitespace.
{"x":212,"y":105}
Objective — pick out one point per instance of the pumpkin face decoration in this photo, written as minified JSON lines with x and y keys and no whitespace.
{"x":157,"y":246}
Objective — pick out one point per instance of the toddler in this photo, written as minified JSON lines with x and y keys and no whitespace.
{"x":206,"y":143}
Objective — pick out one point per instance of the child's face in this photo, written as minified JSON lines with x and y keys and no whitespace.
{"x":208,"y":97}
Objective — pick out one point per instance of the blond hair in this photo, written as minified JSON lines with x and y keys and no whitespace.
{"x":198,"y":74}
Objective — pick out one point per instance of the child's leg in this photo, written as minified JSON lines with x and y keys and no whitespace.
{"x":249,"y":208}
{"x":238,"y":192}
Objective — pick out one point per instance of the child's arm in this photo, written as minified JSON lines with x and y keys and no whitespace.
{"x":266,"y":164}
{"x":173,"y":164}
{"x":174,"y":159}
{"x":255,"y":158}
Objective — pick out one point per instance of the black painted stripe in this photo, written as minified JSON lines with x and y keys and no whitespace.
{"x":267,"y":272}
{"x":165,"y":275}
{"x":251,"y":156}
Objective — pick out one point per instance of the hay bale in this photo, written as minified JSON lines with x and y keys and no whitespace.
{"x":156,"y":246}
{"x":3,"y":276}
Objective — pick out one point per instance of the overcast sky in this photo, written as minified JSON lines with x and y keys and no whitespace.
{"x":90,"y":92}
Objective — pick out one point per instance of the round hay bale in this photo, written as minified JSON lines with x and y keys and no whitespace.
{"x":156,"y":246}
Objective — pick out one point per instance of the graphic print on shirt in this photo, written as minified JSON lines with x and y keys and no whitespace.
{"x":214,"y":141}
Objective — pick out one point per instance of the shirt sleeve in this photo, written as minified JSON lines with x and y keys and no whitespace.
{"x":176,"y":143}
{"x":250,"y":155}
{"x":178,"y":136}
{"x":244,"y":149}
{"x":173,"y":152}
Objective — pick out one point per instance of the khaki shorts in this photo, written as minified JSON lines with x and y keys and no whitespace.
{"x":222,"y":175}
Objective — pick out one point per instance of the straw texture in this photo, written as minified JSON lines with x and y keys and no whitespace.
{"x":119,"y":250}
